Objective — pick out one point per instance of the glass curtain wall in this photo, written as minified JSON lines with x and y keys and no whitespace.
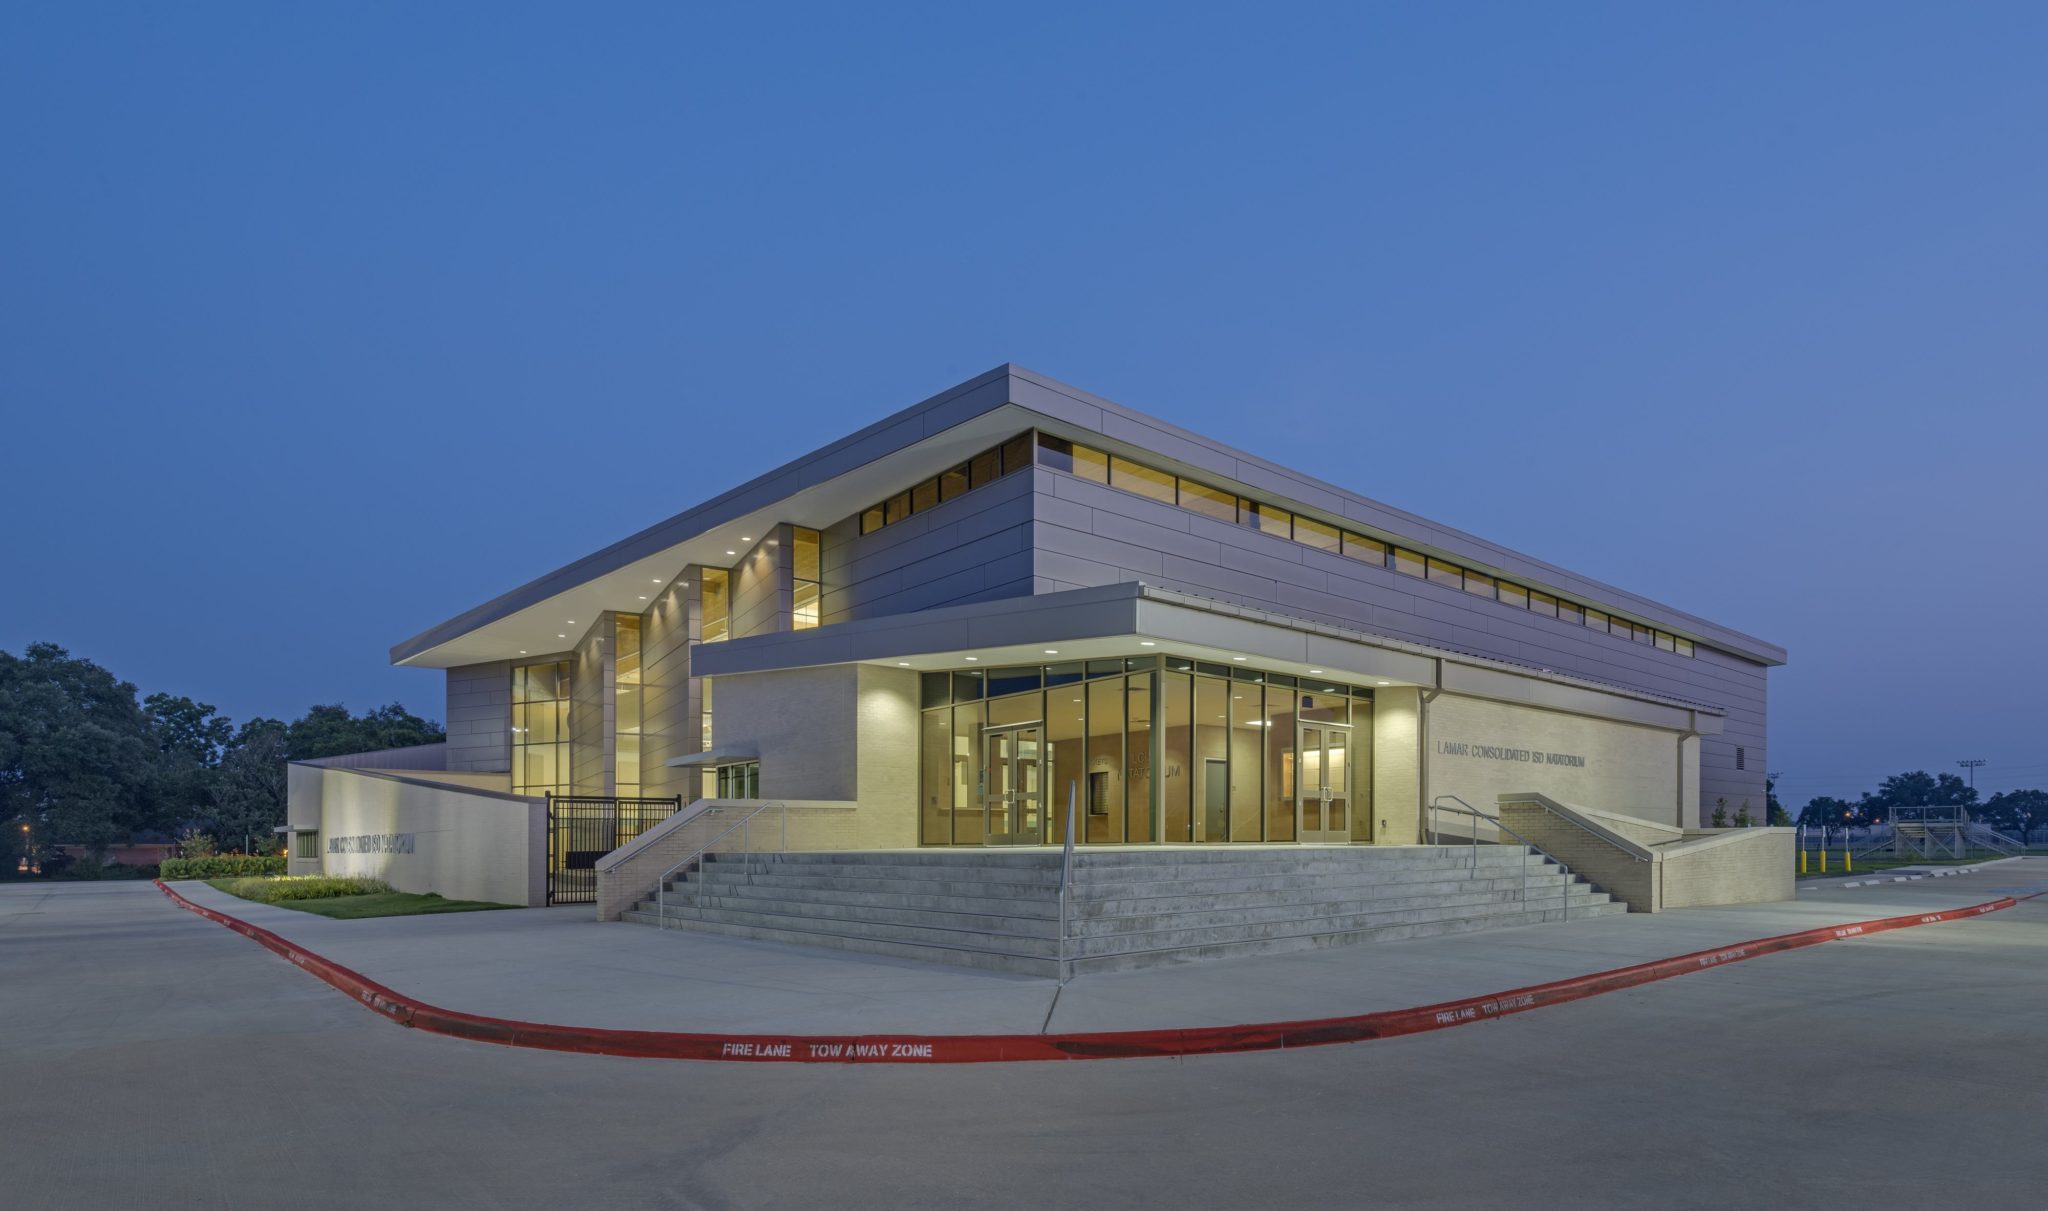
{"x":805,"y":603}
{"x":626,"y":708}
{"x":540,"y":728}
{"x":1222,"y":756}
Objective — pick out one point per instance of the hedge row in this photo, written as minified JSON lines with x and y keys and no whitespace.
{"x":221,"y":866}
{"x":301,"y":887}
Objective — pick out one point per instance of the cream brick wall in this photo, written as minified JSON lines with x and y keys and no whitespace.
{"x":810,"y":826}
{"x":1397,"y":767}
{"x":466,"y":843}
{"x":1660,"y":867}
{"x":1757,"y":867}
{"x":1630,"y":769}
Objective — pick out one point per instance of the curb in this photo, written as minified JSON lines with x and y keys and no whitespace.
{"x":998,"y":1048}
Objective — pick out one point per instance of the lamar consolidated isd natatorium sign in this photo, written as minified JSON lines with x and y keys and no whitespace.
{"x":1496,"y":752}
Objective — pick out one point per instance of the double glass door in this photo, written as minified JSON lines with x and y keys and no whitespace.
{"x":1322,"y":800}
{"x":1013,"y":785}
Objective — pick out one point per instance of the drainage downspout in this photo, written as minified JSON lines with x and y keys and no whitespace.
{"x":1422,"y":755}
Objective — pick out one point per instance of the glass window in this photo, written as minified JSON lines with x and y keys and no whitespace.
{"x":967,"y":823}
{"x":1279,"y":764}
{"x":896,"y":508}
{"x":1571,"y":611}
{"x":953,"y":482}
{"x":1514,"y":595}
{"x":1264,"y":518}
{"x":935,"y":815}
{"x":1138,"y":758}
{"x":1102,"y":791}
{"x":1247,"y":758}
{"x":1596,"y":619}
{"x":871,"y":520}
{"x":1408,"y":563}
{"x":1104,"y":668}
{"x":1140,"y":480}
{"x":305,"y":845}
{"x":1091,"y":465}
{"x":1684,"y":646}
{"x":1542,"y":603}
{"x":1063,"y":673}
{"x":1017,"y":708}
{"x":1645,"y":635}
{"x":1066,"y":732}
{"x":1668,"y":642}
{"x":807,"y":603}
{"x":626,"y":685}
{"x":984,"y":468}
{"x":967,"y":687}
{"x":1017,"y":453}
{"x":1211,"y":769}
{"x":935,"y":689}
{"x":1176,"y":780}
{"x":1479,"y":584}
{"x":1621,"y":626}
{"x":1055,"y":452}
{"x":540,"y":736}
{"x":715,"y":617}
{"x":1208,"y":501}
{"x":1012,"y":680}
{"x":1365,"y":550}
{"x":1446,"y":574}
{"x":1312,"y":533}
{"x":924,"y":496}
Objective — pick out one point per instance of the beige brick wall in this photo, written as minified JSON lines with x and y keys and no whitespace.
{"x":811,"y":826}
{"x":1397,"y":767}
{"x":1628,"y":768}
{"x":1612,"y":870}
{"x":1756,"y":867}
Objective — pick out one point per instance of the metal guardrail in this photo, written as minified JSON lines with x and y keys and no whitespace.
{"x":743,"y":826}
{"x":1466,"y":809}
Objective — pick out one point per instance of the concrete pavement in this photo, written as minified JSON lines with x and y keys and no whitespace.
{"x":559,"y":966}
{"x":149,"y":1058}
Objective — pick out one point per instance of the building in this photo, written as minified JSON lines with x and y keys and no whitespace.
{"x":1013,"y":597}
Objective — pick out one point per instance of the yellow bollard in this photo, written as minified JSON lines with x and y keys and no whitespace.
{"x":1848,"y":863}
{"x":1802,"y":861}
{"x":1823,"y":861}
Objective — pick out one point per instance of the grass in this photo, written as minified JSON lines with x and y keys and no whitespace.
{"x":344,"y":899}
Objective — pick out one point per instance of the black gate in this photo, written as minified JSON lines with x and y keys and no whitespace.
{"x":584,"y":828}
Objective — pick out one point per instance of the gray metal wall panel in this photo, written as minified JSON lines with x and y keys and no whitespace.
{"x":480,"y":717}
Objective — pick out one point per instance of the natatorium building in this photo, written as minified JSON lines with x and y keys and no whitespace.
{"x":937,"y":630}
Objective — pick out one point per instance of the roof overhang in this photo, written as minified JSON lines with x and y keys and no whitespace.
{"x":1126,"y":619}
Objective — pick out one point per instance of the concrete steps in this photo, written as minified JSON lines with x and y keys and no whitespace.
{"x":1000,"y":910}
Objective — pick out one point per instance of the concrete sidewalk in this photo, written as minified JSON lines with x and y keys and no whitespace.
{"x":559,"y":966}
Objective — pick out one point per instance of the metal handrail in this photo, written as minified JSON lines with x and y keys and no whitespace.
{"x":1581,"y":825}
{"x":1066,"y":871}
{"x":1436,"y":805}
{"x":743,"y":825}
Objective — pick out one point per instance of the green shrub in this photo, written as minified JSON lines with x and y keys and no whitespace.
{"x":300,"y":887}
{"x":220,"y":866}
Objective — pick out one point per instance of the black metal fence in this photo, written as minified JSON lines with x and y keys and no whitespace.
{"x":584,"y":828}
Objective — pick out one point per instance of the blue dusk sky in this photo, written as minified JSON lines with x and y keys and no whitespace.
{"x":320,"y":324}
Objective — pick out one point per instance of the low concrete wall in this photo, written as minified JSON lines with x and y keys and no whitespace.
{"x":629,"y":874}
{"x":423,"y":835}
{"x":1652,"y":867}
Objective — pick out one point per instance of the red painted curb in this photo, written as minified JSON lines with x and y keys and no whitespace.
{"x":989,"y":1048}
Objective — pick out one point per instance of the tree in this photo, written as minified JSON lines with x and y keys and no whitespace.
{"x":2017,"y":812}
{"x":79,"y":760}
{"x":1827,"y":810}
{"x":1915,"y":789}
{"x":189,"y":737}
{"x":331,"y":731}
{"x":249,"y":787}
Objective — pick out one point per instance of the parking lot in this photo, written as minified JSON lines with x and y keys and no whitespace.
{"x":151,"y":1058}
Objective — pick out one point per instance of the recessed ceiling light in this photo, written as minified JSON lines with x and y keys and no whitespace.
{"x":746,"y":538}
{"x":657,"y":580}
{"x":643,"y":597}
{"x":732,"y":552}
{"x":903,"y":664}
{"x":1146,"y":643}
{"x":1237,"y":658}
{"x":973,"y":657}
{"x":1386,"y":683}
{"x":572,"y":622}
{"x":561,"y":636}
{"x":1315,"y":670}
{"x":522,"y":651}
{"x":1052,"y":651}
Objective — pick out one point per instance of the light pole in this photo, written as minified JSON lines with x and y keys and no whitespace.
{"x":1972,"y":765}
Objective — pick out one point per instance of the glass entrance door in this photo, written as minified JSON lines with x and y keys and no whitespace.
{"x":1013,"y":785}
{"x":1322,"y":800}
